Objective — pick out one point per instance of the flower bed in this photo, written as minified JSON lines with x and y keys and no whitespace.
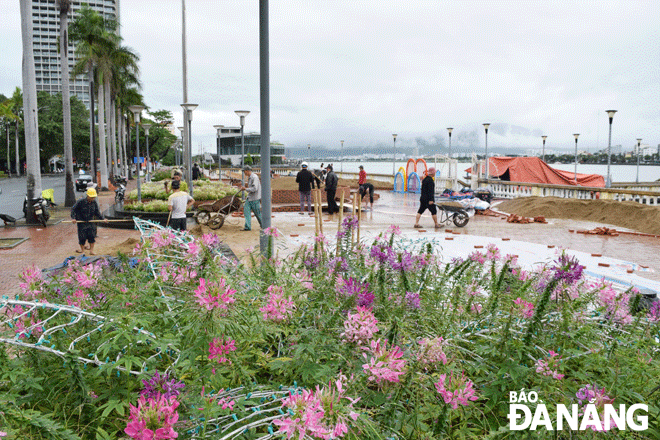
{"x":358,"y":341}
{"x":203,"y":190}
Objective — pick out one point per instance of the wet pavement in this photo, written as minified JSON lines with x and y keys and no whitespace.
{"x":46,"y":246}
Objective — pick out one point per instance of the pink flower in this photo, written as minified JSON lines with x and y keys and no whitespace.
{"x":478,"y":257}
{"x":153,"y":418}
{"x":325,"y":413}
{"x":272,"y":231}
{"x":476,"y":308}
{"x":214,"y":295}
{"x":431,"y":352}
{"x":33,"y":283}
{"x":549,"y":367}
{"x":526,"y":308}
{"x":384,"y":365}
{"x":210,"y":240}
{"x":360,"y":327}
{"x":394,"y":229}
{"x":218,"y":348}
{"x":492,"y":252}
{"x":456,"y":390}
{"x":278,"y":307}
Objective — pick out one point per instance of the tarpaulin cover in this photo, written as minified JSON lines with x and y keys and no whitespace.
{"x":534,"y":170}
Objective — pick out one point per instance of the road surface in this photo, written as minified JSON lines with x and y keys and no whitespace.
{"x":14,"y":190}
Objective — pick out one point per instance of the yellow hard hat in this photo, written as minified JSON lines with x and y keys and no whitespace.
{"x":91,"y":192}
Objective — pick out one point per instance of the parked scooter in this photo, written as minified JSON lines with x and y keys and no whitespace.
{"x":120,"y":193}
{"x":40,"y":209}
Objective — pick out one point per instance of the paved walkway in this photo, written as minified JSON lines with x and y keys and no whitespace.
{"x":637,"y":253}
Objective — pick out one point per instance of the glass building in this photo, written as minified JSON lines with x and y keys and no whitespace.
{"x":46,"y":29}
{"x":229,"y":145}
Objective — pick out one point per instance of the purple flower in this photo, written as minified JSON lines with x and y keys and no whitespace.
{"x":567,"y":269}
{"x":350,"y":222}
{"x":338,"y":263}
{"x":382,"y":253}
{"x":352,"y":287}
{"x":365,"y":299}
{"x":405,"y":262}
{"x":413,"y":300}
{"x":161,"y":386}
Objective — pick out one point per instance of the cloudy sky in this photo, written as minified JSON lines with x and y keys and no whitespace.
{"x":360,"y":70}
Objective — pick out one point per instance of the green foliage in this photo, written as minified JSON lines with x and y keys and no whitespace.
{"x":157,"y":321}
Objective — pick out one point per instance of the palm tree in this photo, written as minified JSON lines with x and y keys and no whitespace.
{"x":127,"y":96}
{"x":64,"y":6}
{"x":123,"y":74}
{"x":94,"y":36}
{"x":15,"y":108}
{"x":30,"y":106}
{"x":7,"y":117}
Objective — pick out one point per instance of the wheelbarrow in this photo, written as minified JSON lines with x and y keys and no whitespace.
{"x":213,"y":214}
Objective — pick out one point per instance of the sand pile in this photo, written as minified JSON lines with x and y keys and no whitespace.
{"x":125,"y":248}
{"x":289,"y":182}
{"x":631,"y":215}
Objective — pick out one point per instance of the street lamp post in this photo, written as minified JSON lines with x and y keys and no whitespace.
{"x":188,"y":151}
{"x":177,"y":153}
{"x":342,"y":156}
{"x":219,"y":129}
{"x":394,"y":156}
{"x":486,"y":125}
{"x":639,"y":142}
{"x":576,"y":158}
{"x":544,"y":138}
{"x":137,"y":110}
{"x":242,"y":114}
{"x":608,"y":181}
{"x":449,"y":129}
{"x":146,"y":128}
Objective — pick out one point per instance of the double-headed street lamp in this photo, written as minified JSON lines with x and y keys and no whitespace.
{"x":639,"y":142}
{"x":449,"y":129}
{"x":146,"y":127}
{"x":544,"y":138}
{"x":137,"y":110}
{"x":188,"y":150}
{"x":394,"y":156}
{"x":242,"y":114}
{"x":486,"y":125}
{"x":576,"y":158}
{"x":608,"y":181}
{"x":219,"y":129}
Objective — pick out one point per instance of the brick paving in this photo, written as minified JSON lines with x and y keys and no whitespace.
{"x":46,"y":246}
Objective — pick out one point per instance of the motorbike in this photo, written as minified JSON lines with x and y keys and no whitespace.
{"x":120,"y":180}
{"x":40,"y":209}
{"x":120,"y":192}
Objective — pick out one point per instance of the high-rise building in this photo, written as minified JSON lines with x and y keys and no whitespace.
{"x":46,"y":29}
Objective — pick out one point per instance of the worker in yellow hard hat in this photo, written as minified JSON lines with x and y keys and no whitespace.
{"x":85,"y":210}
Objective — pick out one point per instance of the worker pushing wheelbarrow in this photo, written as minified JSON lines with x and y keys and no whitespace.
{"x":213,"y":214}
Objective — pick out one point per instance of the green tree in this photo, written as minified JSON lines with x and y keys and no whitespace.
{"x":14,"y":110}
{"x":63,"y":7}
{"x":94,"y":37}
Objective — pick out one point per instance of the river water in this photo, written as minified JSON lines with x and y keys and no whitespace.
{"x":620,"y":173}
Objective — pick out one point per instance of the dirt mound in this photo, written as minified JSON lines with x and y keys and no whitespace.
{"x":125,"y":248}
{"x":631,"y":215}
{"x":289,"y":182}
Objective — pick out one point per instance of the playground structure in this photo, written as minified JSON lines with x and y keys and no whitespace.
{"x":409,"y":179}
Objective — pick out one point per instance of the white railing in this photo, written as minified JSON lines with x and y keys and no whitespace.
{"x":510,"y":190}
